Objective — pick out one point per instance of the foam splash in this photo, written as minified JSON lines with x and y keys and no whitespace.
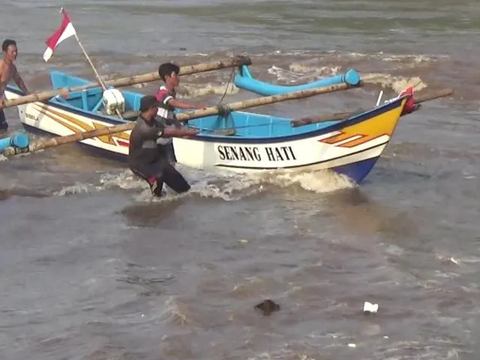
{"x":124,"y":179}
{"x":227,"y":190}
{"x":323,"y":181}
{"x":234,"y":187}
{"x":413,"y":58}
{"x":176,"y":313}
{"x":194,"y":90}
{"x":320,"y":71}
{"x":77,"y":188}
{"x":229,"y":186}
{"x":299,"y":73}
{"x":397,"y":83}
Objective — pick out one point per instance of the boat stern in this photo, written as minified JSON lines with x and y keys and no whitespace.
{"x":12,"y":93}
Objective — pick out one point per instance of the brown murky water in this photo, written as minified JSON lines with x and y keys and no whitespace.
{"x":92,"y":269}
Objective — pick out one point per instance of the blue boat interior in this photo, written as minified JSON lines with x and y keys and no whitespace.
{"x":89,"y":100}
{"x":245,"y":124}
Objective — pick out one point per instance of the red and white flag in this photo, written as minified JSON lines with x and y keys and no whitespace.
{"x":65,"y":31}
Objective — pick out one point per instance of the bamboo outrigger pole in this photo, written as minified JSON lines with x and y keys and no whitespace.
{"x":131,"y":80}
{"x":422,"y":97}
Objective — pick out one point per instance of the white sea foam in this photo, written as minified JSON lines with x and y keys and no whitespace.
{"x":300,"y":73}
{"x":229,"y":186}
{"x":77,"y":188}
{"x":396,"y":83}
{"x":199,"y":90}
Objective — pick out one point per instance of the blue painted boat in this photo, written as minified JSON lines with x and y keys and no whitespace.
{"x":245,"y":80}
{"x":259,"y":143}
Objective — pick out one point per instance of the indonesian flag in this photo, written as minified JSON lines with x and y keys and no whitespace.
{"x":65,"y":31}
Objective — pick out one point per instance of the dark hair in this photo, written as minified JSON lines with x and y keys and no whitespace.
{"x":166,"y":69}
{"x":7,"y":43}
{"x":147,"y":102}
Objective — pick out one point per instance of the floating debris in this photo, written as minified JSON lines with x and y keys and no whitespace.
{"x":267,"y":307}
{"x":369,"y":307}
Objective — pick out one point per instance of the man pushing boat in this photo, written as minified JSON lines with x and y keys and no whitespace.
{"x":8,"y":72}
{"x":148,"y":160}
{"x":166,"y":95}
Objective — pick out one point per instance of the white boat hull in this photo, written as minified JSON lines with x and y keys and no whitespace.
{"x":307,"y":152}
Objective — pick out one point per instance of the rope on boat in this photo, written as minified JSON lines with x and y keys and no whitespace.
{"x":224,"y":109}
{"x":230,"y":79}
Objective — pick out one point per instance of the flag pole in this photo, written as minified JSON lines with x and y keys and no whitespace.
{"x":102,"y":84}
{"x":91,"y":63}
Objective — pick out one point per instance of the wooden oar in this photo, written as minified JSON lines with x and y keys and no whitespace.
{"x":130,"y":80}
{"x":346,"y":115}
{"x":214,"y":110}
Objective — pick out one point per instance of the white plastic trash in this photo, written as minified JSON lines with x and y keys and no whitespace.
{"x":369,"y":307}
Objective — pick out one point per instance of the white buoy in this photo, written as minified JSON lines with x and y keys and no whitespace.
{"x":113,"y":100}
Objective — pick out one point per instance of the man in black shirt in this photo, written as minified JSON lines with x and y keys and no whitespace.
{"x":146,"y":159}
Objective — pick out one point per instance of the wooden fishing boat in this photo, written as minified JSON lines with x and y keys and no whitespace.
{"x":245,"y":80}
{"x":260,"y":142}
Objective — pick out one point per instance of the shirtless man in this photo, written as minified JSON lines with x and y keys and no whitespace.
{"x":8,"y":72}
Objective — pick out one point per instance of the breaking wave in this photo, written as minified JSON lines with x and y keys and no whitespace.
{"x":232,"y":186}
{"x":298,"y":73}
{"x":220,"y":185}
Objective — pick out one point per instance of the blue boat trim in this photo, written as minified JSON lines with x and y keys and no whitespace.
{"x":245,"y":140}
{"x":335,"y":127}
{"x":357,"y":171}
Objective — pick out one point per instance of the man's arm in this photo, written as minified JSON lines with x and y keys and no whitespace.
{"x":155,"y":132}
{"x":168,"y":99}
{"x":19,"y":81}
{"x":174,"y":132}
{"x":181,"y":104}
{"x":3,"y":84}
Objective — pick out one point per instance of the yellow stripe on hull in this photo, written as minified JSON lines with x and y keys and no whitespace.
{"x":380,"y":125}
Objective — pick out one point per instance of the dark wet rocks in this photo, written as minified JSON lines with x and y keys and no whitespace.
{"x":267,"y":307}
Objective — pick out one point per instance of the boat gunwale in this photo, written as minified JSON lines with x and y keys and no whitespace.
{"x":357,"y":118}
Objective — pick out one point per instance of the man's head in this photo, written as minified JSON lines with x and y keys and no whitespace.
{"x":149,"y":107}
{"x":168,"y":72}
{"x":9,"y":48}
